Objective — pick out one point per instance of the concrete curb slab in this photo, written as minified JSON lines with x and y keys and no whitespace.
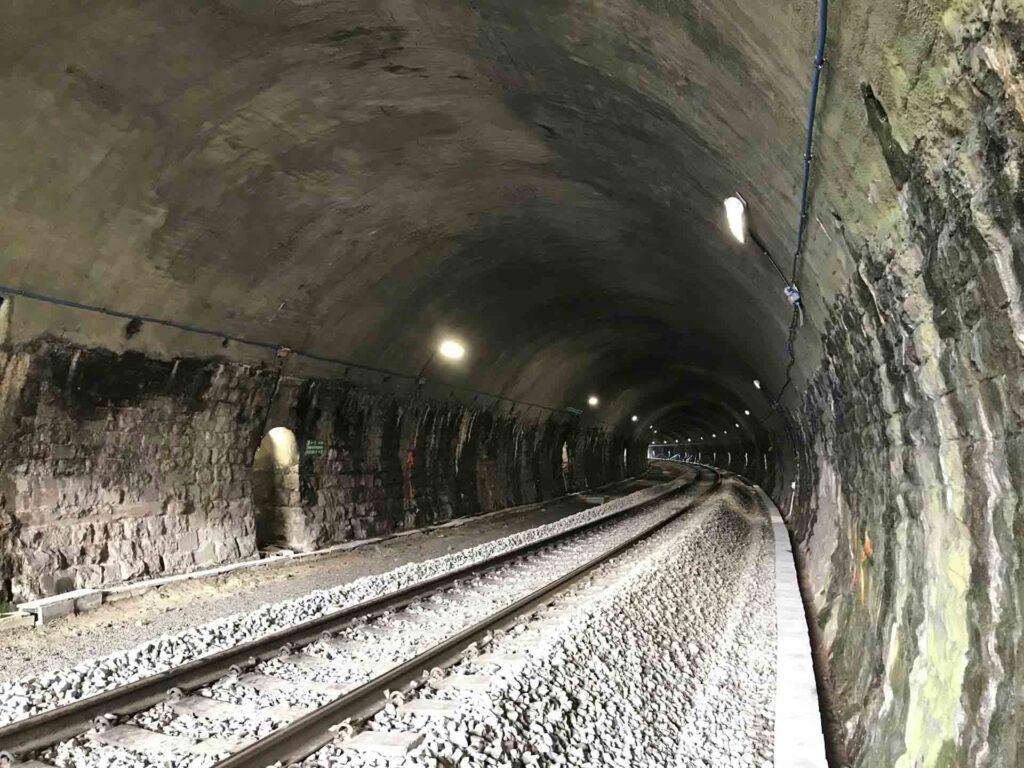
{"x":799,"y":741}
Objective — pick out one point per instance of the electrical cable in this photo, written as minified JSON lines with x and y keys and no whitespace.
{"x":812,"y":111}
{"x":6,"y":290}
{"x":792,"y":291}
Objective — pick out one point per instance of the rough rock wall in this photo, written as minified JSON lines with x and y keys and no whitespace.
{"x":118,"y":466}
{"x":389,"y":464}
{"x":912,"y":457}
{"x":115,"y":466}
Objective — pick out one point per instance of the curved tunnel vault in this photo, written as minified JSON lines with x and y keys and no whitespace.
{"x":544,"y":181}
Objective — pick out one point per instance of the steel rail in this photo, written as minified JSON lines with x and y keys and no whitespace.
{"x":301,"y":738}
{"x":64,"y":722}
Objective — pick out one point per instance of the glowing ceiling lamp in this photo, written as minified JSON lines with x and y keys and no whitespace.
{"x":757,"y":383}
{"x":592,"y":401}
{"x":451,"y":349}
{"x":633,"y":419}
{"x":736,"y":216}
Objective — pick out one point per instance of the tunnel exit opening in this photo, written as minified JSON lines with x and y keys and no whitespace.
{"x":276,"y":487}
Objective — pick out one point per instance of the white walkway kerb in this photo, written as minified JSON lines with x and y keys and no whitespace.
{"x":799,"y":742}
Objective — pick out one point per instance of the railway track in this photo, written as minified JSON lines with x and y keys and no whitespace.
{"x":279,"y":698}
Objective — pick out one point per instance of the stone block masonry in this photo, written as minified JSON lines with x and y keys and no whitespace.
{"x":115,"y":467}
{"x":390,"y":463}
{"x":121,"y":466}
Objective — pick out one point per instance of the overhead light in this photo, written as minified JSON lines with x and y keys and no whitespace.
{"x":714,"y":435}
{"x":757,"y":383}
{"x":451,"y":349}
{"x":747,"y":412}
{"x":725,"y":431}
{"x":634,"y":418}
{"x":736,"y":215}
{"x":592,"y":401}
{"x":655,"y":431}
{"x":737,"y":426}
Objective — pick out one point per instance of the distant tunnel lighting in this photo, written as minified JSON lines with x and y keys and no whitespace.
{"x":655,"y":431}
{"x":634,"y":418}
{"x":592,"y":401}
{"x":747,"y":413}
{"x":451,"y":349}
{"x":736,"y":215}
{"x":714,"y":435}
{"x":737,"y":426}
{"x":757,"y":383}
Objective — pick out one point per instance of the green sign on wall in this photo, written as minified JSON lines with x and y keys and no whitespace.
{"x":314,"y":447}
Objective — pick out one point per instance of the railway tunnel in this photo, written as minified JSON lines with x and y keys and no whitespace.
{"x":281,"y":277}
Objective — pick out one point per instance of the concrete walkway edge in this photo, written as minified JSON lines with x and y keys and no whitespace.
{"x":799,"y":741}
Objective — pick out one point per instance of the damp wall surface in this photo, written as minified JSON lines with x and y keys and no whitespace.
{"x":115,"y":466}
{"x":906,"y":445}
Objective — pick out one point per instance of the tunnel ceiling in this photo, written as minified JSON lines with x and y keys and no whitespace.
{"x":356,"y":179}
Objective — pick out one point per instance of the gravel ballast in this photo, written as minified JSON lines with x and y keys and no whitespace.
{"x":355,"y":655}
{"x":182,"y":605}
{"x":672,"y":663}
{"x":32,"y":695}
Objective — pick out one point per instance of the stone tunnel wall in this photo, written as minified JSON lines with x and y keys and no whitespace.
{"x":392,"y":464}
{"x":116,"y":466}
{"x":910,"y":462}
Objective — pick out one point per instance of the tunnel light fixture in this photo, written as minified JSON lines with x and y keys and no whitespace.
{"x":592,"y":401}
{"x":451,"y":349}
{"x":713,"y":434}
{"x":737,"y":426}
{"x":633,"y":419}
{"x":736,"y":216}
{"x":757,"y":383}
{"x":747,"y":413}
